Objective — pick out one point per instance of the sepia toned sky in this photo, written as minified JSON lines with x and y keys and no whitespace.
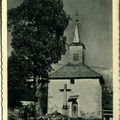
{"x":95,"y":23}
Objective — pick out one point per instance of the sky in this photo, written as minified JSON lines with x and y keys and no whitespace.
{"x":95,"y":23}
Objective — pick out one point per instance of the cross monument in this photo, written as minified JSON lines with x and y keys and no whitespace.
{"x":65,"y":106}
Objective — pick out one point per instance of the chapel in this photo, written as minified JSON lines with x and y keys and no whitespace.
{"x":75,"y":89}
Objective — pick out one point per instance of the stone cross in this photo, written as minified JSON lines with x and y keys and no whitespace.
{"x":65,"y":90}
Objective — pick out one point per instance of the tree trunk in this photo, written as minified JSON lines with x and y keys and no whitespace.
{"x":42,"y":96}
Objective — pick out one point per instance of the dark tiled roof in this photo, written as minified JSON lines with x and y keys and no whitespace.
{"x":75,"y":71}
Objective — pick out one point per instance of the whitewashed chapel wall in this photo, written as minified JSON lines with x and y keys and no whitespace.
{"x":89,"y":100}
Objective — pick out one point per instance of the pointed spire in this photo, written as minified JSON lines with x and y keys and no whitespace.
{"x":76,"y":35}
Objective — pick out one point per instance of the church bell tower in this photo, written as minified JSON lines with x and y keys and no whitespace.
{"x":76,"y":48}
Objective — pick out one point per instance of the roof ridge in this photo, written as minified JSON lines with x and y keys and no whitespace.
{"x":58,"y":69}
{"x":98,"y":67}
{"x":93,"y":70}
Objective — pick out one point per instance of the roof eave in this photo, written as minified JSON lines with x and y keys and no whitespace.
{"x":97,"y":77}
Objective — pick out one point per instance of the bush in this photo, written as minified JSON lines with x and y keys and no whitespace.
{"x":27,"y":111}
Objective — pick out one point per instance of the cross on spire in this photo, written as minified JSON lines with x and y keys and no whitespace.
{"x":77,"y":14}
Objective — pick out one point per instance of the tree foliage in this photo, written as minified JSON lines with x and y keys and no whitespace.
{"x":107,"y":97}
{"x":16,"y":80}
{"x":37,"y":28}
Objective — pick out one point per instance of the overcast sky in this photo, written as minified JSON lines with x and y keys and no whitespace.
{"x":95,"y":22}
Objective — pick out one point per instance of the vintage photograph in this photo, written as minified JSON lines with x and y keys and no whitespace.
{"x":60,"y":60}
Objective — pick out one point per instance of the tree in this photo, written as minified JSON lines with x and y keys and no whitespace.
{"x":107,"y":96}
{"x":16,"y":81}
{"x":37,"y":28}
{"x":107,"y":90}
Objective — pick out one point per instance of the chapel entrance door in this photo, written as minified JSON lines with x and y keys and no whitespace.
{"x":74,"y":109}
{"x":74,"y":106}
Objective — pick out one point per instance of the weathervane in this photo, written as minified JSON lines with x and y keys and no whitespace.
{"x":77,"y":14}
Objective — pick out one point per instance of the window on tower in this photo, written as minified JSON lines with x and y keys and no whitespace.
{"x":75,"y":56}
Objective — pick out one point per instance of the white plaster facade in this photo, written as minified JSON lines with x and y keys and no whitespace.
{"x":89,"y":100}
